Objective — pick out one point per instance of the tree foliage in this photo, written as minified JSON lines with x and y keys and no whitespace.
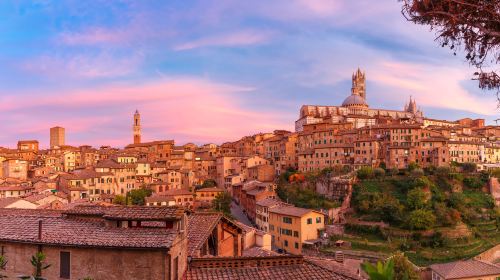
{"x":209,"y":183}
{"x":421,"y":219}
{"x":222,"y":203}
{"x":471,"y":25}
{"x":138,"y":196}
{"x":365,"y":172}
{"x":417,"y":199}
{"x":380,"y":271}
{"x":403,"y":269}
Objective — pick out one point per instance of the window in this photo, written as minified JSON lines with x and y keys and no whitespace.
{"x":295,"y":233}
{"x":318,"y":220}
{"x":296,"y":245}
{"x":287,"y":220}
{"x":65,"y":265}
{"x":286,"y":243}
{"x":309,"y":221}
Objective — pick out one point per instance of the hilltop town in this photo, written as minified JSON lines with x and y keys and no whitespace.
{"x":351,"y":183}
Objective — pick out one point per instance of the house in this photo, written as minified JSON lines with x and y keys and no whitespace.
{"x":205,"y":196}
{"x":15,"y":202}
{"x":469,"y":269}
{"x":212,"y":234}
{"x":291,"y":227}
{"x":97,"y":242}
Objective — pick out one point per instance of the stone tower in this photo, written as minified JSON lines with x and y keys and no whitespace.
{"x":358,"y":84}
{"x":137,"y":127}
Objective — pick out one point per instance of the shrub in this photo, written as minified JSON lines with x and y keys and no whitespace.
{"x":417,"y":172}
{"x":378,"y":172}
{"x":365,"y":172}
{"x":417,"y":199}
{"x":412,"y":166}
{"x":443,"y":171}
{"x":469,"y":167}
{"x":473,"y":182}
{"x":421,"y":219}
{"x":394,"y":171}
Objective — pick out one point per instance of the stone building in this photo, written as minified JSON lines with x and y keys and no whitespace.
{"x":97,"y":242}
{"x":57,"y":136}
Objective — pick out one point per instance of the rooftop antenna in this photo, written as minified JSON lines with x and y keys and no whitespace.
{"x":496,"y":121}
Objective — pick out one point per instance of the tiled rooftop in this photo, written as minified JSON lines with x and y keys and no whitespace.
{"x":200,"y":226}
{"x":70,"y":232}
{"x":465,"y":269}
{"x":260,"y":268}
{"x":138,"y":213}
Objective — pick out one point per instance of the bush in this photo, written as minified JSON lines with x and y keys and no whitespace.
{"x":417,"y":199}
{"x":421,"y":219}
{"x":394,"y":171}
{"x":469,"y":167}
{"x":365,"y":172}
{"x":443,"y":171}
{"x":378,"y":172}
{"x":417,"y":172}
{"x":412,"y":166}
{"x":473,"y":182}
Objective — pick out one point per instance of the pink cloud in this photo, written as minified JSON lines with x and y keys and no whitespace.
{"x":182,"y":109}
{"x":239,"y":38}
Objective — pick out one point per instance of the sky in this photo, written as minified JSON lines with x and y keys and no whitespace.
{"x":213,"y":71}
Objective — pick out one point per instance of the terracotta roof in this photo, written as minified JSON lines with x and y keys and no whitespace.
{"x":200,"y":227}
{"x":259,"y":268}
{"x":268,"y":202}
{"x":258,"y":252}
{"x":142,"y":213}
{"x":6,"y":201}
{"x":214,"y":189}
{"x":81,"y":233}
{"x":290,"y":211}
{"x":465,"y":269}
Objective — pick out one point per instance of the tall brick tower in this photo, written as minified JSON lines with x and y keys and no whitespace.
{"x":358,"y":84}
{"x":137,"y":127}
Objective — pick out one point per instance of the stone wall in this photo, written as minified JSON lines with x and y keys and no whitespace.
{"x":98,"y":263}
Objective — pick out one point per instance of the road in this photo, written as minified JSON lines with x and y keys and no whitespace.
{"x":239,"y":215}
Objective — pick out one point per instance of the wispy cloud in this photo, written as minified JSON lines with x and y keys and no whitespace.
{"x":232,"y":39}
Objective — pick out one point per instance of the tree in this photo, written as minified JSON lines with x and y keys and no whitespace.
{"x":209,"y":183}
{"x":412,"y":166}
{"x":365,"y":172}
{"x":421,"y":219}
{"x":138,"y":196}
{"x":388,"y":208}
{"x":380,"y":271}
{"x":379,"y":172}
{"x":3,"y":264}
{"x":119,"y":199}
{"x":403,"y":269}
{"x":417,"y":172}
{"x":469,"y":167}
{"x":417,"y":199}
{"x":473,"y":25}
{"x":222,"y":203}
{"x":39,"y":265}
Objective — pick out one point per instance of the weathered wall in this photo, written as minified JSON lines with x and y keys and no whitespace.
{"x":109,"y":264}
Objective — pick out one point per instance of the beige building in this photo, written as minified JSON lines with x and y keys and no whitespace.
{"x":15,"y":168}
{"x":57,"y":136}
{"x":291,"y":226}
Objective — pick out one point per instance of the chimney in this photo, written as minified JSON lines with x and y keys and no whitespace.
{"x":39,"y":229}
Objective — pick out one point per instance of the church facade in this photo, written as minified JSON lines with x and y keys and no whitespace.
{"x":356,"y":110}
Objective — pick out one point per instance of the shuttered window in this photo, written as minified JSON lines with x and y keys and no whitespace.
{"x":65,"y":265}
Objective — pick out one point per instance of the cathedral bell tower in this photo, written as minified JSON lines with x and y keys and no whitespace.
{"x":359,"y":84}
{"x":136,"y":128}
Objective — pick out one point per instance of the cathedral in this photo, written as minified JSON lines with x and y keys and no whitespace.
{"x":355,"y":109}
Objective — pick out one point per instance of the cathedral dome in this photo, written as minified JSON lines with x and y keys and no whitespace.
{"x":353,"y":100}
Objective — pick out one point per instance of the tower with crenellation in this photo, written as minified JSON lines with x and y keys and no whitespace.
{"x":136,"y":128}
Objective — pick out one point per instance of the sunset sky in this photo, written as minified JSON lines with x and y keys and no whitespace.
{"x":213,"y":71}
